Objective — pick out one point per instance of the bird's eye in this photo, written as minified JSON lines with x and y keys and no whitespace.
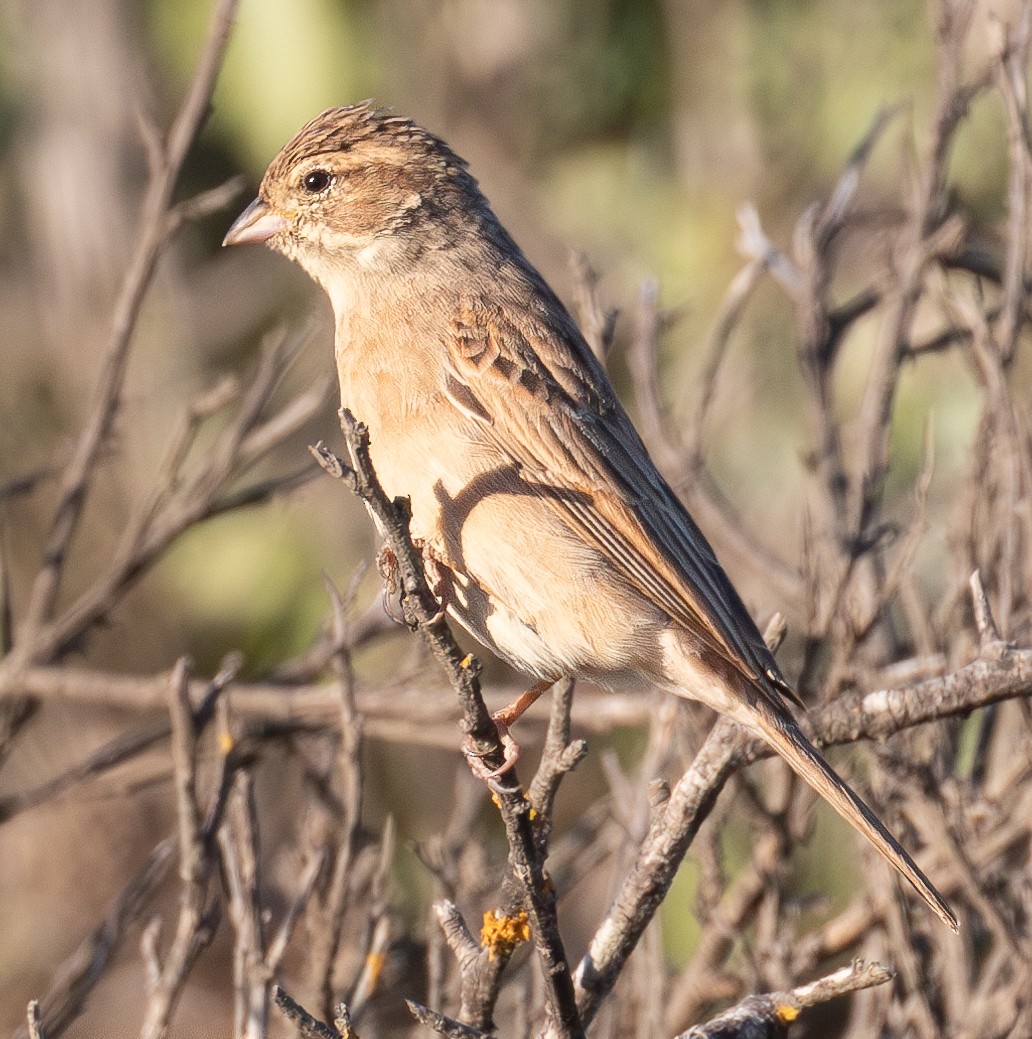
{"x":316,"y":181}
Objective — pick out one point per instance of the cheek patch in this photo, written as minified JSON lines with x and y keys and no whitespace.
{"x":377,"y":199}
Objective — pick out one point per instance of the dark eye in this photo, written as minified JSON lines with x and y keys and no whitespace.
{"x":316,"y":181}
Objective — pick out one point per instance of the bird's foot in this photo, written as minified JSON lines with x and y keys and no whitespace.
{"x":504,"y":720}
{"x":388,"y":569}
{"x":510,"y":755}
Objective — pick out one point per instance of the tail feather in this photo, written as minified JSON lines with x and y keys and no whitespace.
{"x":781,"y":732}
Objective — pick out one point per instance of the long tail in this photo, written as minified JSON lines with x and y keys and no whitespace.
{"x":785,"y":737}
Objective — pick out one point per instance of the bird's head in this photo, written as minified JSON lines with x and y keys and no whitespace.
{"x":358,"y":187}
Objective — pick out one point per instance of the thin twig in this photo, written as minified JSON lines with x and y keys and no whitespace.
{"x":768,"y":1016}
{"x":329,"y":927}
{"x":308,"y":1027}
{"x":78,"y":975}
{"x":151,"y":236}
{"x":198,"y":913}
{"x":238,"y":840}
{"x":988,"y":633}
{"x":445,"y":1026}
{"x":662,"y":850}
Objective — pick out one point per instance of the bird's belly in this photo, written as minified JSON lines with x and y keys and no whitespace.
{"x":530,"y":588}
{"x":512,"y":571}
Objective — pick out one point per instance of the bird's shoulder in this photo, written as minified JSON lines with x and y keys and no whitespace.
{"x":514,"y":330}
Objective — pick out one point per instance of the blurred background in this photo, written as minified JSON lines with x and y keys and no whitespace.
{"x":631,"y":130}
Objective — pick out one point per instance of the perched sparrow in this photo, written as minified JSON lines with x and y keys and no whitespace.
{"x":557,"y":542}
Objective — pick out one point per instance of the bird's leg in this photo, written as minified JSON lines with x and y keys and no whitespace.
{"x":510,"y":715}
{"x":504,"y":719}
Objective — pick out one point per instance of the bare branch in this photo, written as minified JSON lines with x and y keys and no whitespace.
{"x":988,"y":633}
{"x":761,"y":1016}
{"x":35,"y":1021}
{"x":442,"y":1024}
{"x":308,"y":1027}
{"x":445,"y":1026}
{"x":238,"y":840}
{"x":150,"y":238}
{"x":198,"y":914}
{"x":463,"y":671}
{"x":596,"y":322}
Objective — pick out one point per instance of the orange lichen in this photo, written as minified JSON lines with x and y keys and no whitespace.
{"x":501,"y":934}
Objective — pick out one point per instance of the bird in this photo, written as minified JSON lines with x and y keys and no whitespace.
{"x":551,"y":534}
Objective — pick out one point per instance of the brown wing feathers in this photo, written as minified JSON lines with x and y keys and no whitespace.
{"x":565,"y":416}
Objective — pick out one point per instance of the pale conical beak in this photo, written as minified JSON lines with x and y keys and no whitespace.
{"x":257,"y":223}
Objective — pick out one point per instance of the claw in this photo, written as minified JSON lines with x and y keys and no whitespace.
{"x":504,"y":719}
{"x":510,"y":751}
{"x":387,"y":568}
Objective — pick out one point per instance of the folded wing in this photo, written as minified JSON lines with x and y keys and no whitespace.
{"x":562,"y":426}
